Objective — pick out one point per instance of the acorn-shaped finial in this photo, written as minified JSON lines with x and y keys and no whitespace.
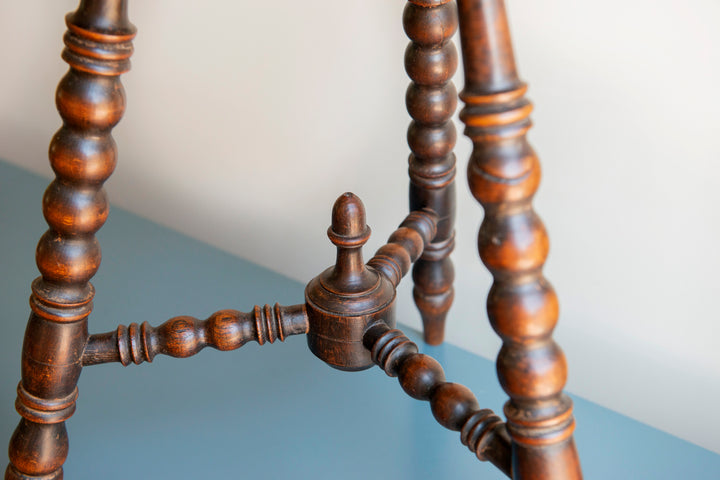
{"x":347,"y":297}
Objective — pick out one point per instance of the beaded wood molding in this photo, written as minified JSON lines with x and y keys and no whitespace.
{"x":348,"y":314}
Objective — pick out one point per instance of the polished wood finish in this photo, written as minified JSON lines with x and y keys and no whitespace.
{"x":431,"y":61}
{"x":504,"y":174}
{"x":452,"y":404}
{"x":185,"y":336}
{"x":349,"y":309}
{"x":348,"y":296}
{"x":405,"y":245}
{"x":91,"y":101}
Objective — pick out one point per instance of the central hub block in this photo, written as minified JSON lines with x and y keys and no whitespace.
{"x":346,"y":298}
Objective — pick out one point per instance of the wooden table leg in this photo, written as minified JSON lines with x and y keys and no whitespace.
{"x":504,"y":174}
{"x":91,"y":102}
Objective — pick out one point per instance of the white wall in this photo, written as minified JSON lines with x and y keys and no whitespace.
{"x":246,"y":119}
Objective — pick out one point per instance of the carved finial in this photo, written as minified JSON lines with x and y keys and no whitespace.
{"x":348,"y":296}
{"x":349,"y":232}
{"x":91,"y":101}
{"x":108,"y":17}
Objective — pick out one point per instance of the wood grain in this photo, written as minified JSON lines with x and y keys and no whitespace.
{"x":349,"y":309}
{"x":185,"y":336}
{"x":453,"y":405}
{"x":350,"y":295}
{"x":405,"y":245}
{"x":503,"y":174}
{"x":91,"y":101}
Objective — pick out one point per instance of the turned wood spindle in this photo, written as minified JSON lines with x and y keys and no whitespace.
{"x":453,"y":405}
{"x":349,"y":309}
{"x":91,"y":101}
{"x":504,"y":174}
{"x":405,"y":245}
{"x":431,"y":98}
{"x":185,"y":336}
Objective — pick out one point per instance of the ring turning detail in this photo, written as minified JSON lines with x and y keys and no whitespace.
{"x":91,"y":101}
{"x":452,"y":404}
{"x":430,"y":62}
{"x":503,"y":174}
{"x":349,"y":309}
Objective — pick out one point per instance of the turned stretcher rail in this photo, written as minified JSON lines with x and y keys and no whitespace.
{"x":349,"y":310}
{"x":406,"y":245}
{"x":184,"y":336}
{"x":453,"y":405}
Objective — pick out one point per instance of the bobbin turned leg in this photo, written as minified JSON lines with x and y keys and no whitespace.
{"x":91,"y":101}
{"x":431,"y":61}
{"x":504,"y":173}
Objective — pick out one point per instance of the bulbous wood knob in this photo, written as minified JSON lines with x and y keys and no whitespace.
{"x":349,"y":232}
{"x":348,"y":296}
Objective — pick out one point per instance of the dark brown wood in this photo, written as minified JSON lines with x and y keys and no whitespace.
{"x":91,"y":101}
{"x":348,"y":296}
{"x":349,"y":309}
{"x":452,"y":404}
{"x":504,"y":174}
{"x":185,"y":336}
{"x":431,"y":61}
{"x":405,"y":245}
{"x":344,"y":299}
